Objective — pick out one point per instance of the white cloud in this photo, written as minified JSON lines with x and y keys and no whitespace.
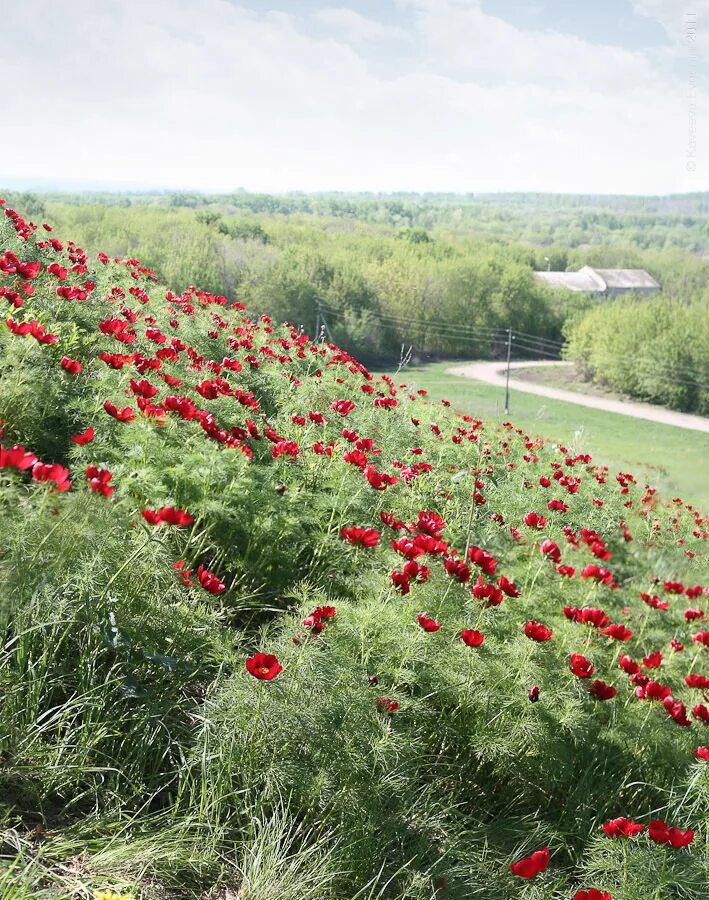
{"x":213,"y":95}
{"x":351,"y":24}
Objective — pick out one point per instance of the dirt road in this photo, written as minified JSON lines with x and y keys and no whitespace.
{"x":494,"y":373}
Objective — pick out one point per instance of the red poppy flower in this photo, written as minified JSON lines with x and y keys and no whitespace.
{"x":52,"y":472}
{"x":343,"y":407}
{"x":98,"y":481}
{"x":361,"y":537}
{"x":385,"y":705}
{"x":652,"y":660}
{"x":592,"y":894}
{"x":264,"y":666}
{"x":16,"y":458}
{"x":471,"y":637}
{"x":533,"y":694}
{"x":482,"y":558}
{"x":701,"y":637}
{"x":534,"y":520}
{"x":122,"y":415}
{"x":209,"y":581}
{"x":169,"y":515}
{"x":72,"y":366}
{"x":628,"y":664}
{"x":538,"y":632}
{"x":661,"y":833}
{"x":531,"y":865}
{"x":580,"y":666}
{"x":550,"y":549}
{"x":622,"y":827}
{"x":617,"y":632}
{"x":428,"y":623}
{"x":602,"y":690}
{"x":701,"y":682}
{"x":702,"y":753}
{"x":84,"y":438}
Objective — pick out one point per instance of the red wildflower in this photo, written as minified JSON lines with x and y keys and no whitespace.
{"x":697,"y":681}
{"x":169,"y":515}
{"x":661,"y":833}
{"x":457,"y":569}
{"x":361,"y":537}
{"x":16,"y":458}
{"x":209,"y":581}
{"x":580,"y":666}
{"x":617,"y":632}
{"x":531,"y":865}
{"x":72,"y":366}
{"x":550,"y":549}
{"x":343,"y":407}
{"x":482,"y":558}
{"x":701,"y":637}
{"x":533,"y":694}
{"x":385,"y":705}
{"x":622,"y":827}
{"x":52,"y":472}
{"x":628,"y":664}
{"x":538,"y":632}
{"x":702,"y":753}
{"x":122,"y":415}
{"x":602,"y":690}
{"x":84,"y":438}
{"x":471,"y":637}
{"x":264,"y":666}
{"x":592,"y":894}
{"x":652,"y":660}
{"x":98,"y":480}
{"x":428,"y":623}
{"x":534,"y":520}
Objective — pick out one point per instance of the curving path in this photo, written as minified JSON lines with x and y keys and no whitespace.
{"x":494,"y":373}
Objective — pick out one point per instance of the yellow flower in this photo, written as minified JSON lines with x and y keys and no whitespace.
{"x":111,"y":895}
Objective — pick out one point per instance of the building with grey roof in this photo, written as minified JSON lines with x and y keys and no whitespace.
{"x":609,"y":282}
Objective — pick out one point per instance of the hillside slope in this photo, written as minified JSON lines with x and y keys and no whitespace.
{"x":275,"y":628}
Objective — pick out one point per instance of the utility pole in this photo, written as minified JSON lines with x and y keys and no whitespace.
{"x":507,"y":379}
{"x":318,"y":317}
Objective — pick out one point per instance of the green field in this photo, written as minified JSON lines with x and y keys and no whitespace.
{"x":675,"y":460}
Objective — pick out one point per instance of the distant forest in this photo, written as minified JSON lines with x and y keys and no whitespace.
{"x":442,"y":274}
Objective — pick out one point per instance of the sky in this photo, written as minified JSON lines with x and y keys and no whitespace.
{"x":595,"y":96}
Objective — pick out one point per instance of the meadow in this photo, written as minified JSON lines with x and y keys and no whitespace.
{"x":673,"y":459}
{"x":272,"y":627}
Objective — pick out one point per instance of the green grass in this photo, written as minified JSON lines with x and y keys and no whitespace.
{"x":672,"y":459}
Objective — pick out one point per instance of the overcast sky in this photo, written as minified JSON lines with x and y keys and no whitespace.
{"x":425,"y":95}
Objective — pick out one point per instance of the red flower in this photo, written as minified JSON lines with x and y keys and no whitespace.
{"x":72,"y":366}
{"x":622,"y":827}
{"x":385,"y":705}
{"x":701,"y":637}
{"x":482,"y":558}
{"x":602,"y":690}
{"x":122,"y":415}
{"x":537,"y":632}
{"x":84,"y":438}
{"x":427,"y":623}
{"x":697,"y":681}
{"x":592,"y":894}
{"x":98,"y":480}
{"x":264,"y":666}
{"x":209,"y":581}
{"x":16,"y":458}
{"x":702,"y":753}
{"x":618,"y":632}
{"x":661,"y":833}
{"x":471,"y":637}
{"x":169,"y":515}
{"x":580,"y":666}
{"x":652,"y":660}
{"x":533,"y":694}
{"x":361,"y":537}
{"x":628,"y":665}
{"x":532,"y":865}
{"x":457,"y":569}
{"x":550,"y":549}
{"x":534,"y":520}
{"x":56,"y":473}
{"x":343,"y":407}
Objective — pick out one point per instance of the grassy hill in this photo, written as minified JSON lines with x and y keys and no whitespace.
{"x":275,"y":628}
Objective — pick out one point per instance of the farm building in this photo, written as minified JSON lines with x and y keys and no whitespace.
{"x":610,"y":282}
